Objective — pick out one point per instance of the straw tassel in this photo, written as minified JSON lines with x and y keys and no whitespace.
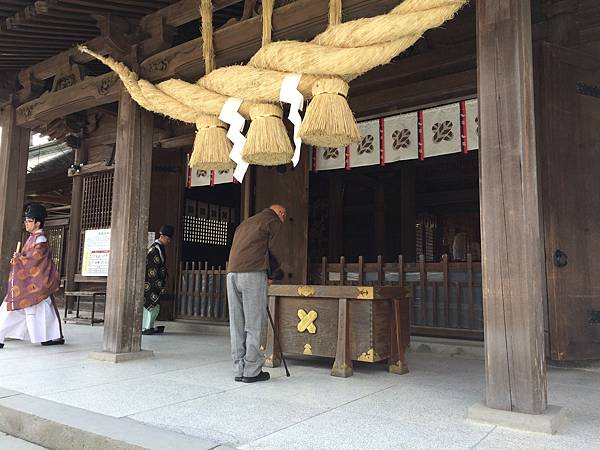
{"x":267,"y":141}
{"x":329,"y":121}
{"x":211,"y":146}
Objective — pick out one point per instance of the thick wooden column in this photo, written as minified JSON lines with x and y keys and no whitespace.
{"x":14,"y":148}
{"x":129,"y":229}
{"x":510,"y":217}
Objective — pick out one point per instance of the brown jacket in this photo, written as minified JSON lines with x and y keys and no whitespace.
{"x":253,"y":237}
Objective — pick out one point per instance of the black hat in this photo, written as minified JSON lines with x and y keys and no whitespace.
{"x":167,"y":230}
{"x":36,"y":211}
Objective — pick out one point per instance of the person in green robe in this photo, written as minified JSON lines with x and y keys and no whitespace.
{"x":156,"y":279}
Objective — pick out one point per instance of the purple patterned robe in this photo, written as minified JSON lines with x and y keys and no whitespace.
{"x":33,"y":275}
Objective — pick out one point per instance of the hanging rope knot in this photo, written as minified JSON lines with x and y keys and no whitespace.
{"x":333,"y":86}
{"x":265,"y":110}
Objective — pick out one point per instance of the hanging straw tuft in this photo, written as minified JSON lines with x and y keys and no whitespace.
{"x":208,"y":49}
{"x":335,"y":12}
{"x":267,"y":141}
{"x":329,"y":121}
{"x":267,"y":21}
{"x":211,"y":146}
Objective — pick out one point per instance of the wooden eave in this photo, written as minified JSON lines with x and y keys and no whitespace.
{"x":31,"y":31}
{"x":235,"y":43}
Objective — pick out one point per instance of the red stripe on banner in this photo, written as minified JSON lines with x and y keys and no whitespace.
{"x":382,"y":141}
{"x":314,"y":157}
{"x":421,"y":136}
{"x":463,"y":127}
{"x":212,"y":178}
{"x":347,"y":157}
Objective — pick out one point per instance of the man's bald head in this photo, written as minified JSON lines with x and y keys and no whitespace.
{"x":279,"y":210}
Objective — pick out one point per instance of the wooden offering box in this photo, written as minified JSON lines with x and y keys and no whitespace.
{"x":348,"y":323}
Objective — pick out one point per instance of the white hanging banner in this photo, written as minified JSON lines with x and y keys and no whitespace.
{"x":223,"y":176}
{"x":401,"y":137}
{"x":230,"y":115}
{"x":441,"y":130}
{"x":198,"y":177}
{"x":367,"y":152}
{"x":289,"y":93}
{"x":472,"y":113}
{"x":329,"y":158}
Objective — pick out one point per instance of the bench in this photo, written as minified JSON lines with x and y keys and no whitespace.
{"x":78,"y":295}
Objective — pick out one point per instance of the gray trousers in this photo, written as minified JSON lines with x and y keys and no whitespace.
{"x":247,"y":298}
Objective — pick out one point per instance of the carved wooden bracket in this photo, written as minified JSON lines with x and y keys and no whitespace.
{"x":117,"y":32}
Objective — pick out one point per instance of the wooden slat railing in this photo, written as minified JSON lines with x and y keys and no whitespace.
{"x":201,"y":292}
{"x":446,"y":297}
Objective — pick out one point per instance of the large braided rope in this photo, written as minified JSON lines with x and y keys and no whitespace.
{"x":346,"y":51}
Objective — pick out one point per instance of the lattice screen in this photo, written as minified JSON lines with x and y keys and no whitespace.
{"x":96,"y":203}
{"x":56,"y":239}
{"x":426,"y":236}
{"x":205,"y":231}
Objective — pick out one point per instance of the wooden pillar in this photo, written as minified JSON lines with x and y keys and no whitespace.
{"x":14,"y":149}
{"x":129,"y":229}
{"x":408,"y":212}
{"x":74,"y":235}
{"x":247,"y":200}
{"x":510,"y":215}
{"x":336,"y":216}
{"x":379,"y":216}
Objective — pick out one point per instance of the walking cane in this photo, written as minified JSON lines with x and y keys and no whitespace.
{"x":287,"y":372}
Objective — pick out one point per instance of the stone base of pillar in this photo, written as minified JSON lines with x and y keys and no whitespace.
{"x":548,"y":422}
{"x":121,"y":357}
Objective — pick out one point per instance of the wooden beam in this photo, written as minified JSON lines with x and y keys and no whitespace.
{"x":513,"y":266}
{"x":14,"y":147}
{"x":129,"y":229}
{"x":302,"y":20}
{"x":93,"y":92}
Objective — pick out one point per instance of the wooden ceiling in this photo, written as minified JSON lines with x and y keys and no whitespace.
{"x":32,"y":31}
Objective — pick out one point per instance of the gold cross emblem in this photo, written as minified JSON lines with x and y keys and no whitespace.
{"x":306,"y":321}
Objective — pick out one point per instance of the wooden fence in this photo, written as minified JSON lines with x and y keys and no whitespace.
{"x":446,"y":297}
{"x":202,"y":292}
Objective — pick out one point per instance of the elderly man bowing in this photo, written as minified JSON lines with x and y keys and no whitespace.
{"x":247,"y":290}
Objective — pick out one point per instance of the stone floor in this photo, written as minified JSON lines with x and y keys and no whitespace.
{"x":12,"y":443}
{"x":188,"y":388}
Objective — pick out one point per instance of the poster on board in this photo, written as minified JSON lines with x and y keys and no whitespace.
{"x":96,"y":252}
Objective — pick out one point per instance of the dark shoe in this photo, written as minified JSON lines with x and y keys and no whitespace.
{"x":149,"y":331}
{"x":60,"y":341}
{"x":159,"y":330}
{"x":262,"y":376}
{"x":236,"y":378}
{"x":2,"y":346}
